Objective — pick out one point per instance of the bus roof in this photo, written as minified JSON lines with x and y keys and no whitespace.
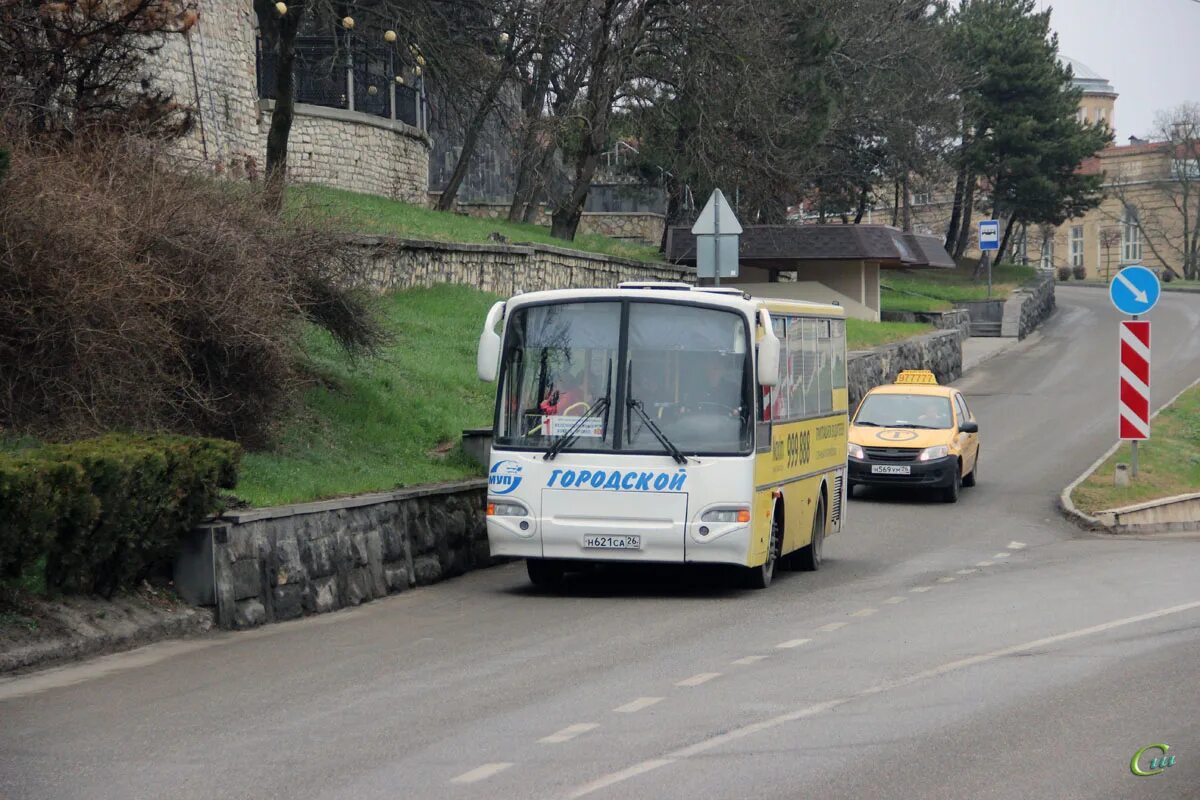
{"x":682,"y":293}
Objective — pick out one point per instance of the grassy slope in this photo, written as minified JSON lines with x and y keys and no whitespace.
{"x":939,"y":289}
{"x":1169,"y":463}
{"x":861,"y":334}
{"x":373,"y":425}
{"x":374,"y":214}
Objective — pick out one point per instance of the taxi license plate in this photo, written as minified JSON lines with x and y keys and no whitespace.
{"x":613,"y":542}
{"x":890,"y":469}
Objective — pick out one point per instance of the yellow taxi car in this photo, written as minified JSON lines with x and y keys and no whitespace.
{"x":914,"y":432}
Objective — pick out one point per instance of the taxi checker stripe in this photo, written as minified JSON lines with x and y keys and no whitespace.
{"x":1134,"y":393}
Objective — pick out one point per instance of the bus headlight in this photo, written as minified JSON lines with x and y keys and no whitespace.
{"x":505,"y":508}
{"x":934,"y":453}
{"x":855,"y":451}
{"x":727,"y":515}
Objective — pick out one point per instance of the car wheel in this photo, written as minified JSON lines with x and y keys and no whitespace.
{"x":850,"y":487}
{"x":810,"y":557}
{"x":969,"y":480}
{"x":543,"y":573}
{"x":760,"y":577}
{"x":950,"y":493}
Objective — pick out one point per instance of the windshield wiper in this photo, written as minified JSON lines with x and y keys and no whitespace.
{"x":573,"y":432}
{"x":674,"y":451}
{"x":916,"y":426}
{"x":868,"y":424}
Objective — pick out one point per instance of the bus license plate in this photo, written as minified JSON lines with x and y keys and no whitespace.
{"x":890,"y":469}
{"x":613,"y":542}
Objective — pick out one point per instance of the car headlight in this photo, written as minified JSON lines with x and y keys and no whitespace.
{"x":726,"y":515}
{"x":934,"y":453}
{"x":855,"y":451}
{"x":500,"y":508}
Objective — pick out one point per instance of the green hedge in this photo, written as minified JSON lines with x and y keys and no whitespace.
{"x":104,"y":512}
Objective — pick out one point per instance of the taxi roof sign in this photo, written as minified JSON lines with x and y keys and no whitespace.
{"x":922,"y":376}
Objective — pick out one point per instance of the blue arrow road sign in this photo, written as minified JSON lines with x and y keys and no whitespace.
{"x":1134,"y":290}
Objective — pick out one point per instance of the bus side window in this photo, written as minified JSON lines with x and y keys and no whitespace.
{"x":839,"y":353}
{"x":824,"y":366}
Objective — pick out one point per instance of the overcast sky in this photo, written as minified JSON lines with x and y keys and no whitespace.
{"x":1147,"y":49}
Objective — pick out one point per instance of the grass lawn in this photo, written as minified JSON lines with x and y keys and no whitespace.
{"x":368,"y":213}
{"x":1168,"y":464}
{"x":383,"y":423}
{"x":862,"y":335}
{"x":939,"y":289}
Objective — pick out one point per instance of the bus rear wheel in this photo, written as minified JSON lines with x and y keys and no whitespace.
{"x":760,"y":577}
{"x":810,"y":557}
{"x":543,"y":573}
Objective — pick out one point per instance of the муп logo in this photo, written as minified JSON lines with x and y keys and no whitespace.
{"x":505,"y":477}
{"x":1156,"y":764}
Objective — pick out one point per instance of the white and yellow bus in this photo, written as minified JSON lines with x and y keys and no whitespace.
{"x":665,"y":423}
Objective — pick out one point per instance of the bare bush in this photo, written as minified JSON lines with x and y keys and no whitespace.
{"x":136,"y":295}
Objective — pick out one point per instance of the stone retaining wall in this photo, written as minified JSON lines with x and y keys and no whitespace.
{"x":645,"y":227}
{"x":391,"y":263}
{"x":1029,"y":307}
{"x":274,"y":564}
{"x":958,"y":319}
{"x":939,"y":352}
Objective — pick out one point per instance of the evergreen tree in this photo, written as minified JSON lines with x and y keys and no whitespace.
{"x":1022,"y":135}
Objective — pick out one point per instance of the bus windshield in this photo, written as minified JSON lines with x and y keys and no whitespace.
{"x":679,"y":378}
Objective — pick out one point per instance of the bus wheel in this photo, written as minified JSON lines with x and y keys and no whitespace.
{"x":760,"y":577}
{"x":543,"y":573}
{"x":811,"y":556}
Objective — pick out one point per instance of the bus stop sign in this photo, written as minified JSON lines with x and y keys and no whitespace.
{"x":989,"y":234}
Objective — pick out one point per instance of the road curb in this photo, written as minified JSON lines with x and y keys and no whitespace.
{"x":1090,"y":523}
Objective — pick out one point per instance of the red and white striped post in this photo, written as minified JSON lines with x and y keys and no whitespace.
{"x":1134,"y":395}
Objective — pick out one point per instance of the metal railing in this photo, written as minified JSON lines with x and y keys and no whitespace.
{"x":346,"y":72}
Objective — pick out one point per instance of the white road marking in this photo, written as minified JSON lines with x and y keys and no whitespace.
{"x":617,"y":777}
{"x":481,"y":773}
{"x":864,"y":612}
{"x":967,"y":571}
{"x":1016,"y":545}
{"x":897,"y":683}
{"x":741,"y":662}
{"x":920,"y":588}
{"x":832,"y":626}
{"x":568,"y":733}
{"x":788,"y":645}
{"x":999,"y":556}
{"x":891,"y":601}
{"x":696,"y":680}
{"x":947,"y":579}
{"x":637,"y":705}
{"x":984,"y":564}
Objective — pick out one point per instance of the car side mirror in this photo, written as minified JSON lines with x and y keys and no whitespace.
{"x":969,"y":427}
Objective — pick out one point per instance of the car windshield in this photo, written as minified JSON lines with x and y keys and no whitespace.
{"x":683,"y":374}
{"x":886,"y":410}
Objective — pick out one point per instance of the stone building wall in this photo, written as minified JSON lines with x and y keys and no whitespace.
{"x":389,"y":264}
{"x":334,"y":147}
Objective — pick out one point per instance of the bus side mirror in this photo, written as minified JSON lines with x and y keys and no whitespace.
{"x":768,"y":351}
{"x":487,"y":359}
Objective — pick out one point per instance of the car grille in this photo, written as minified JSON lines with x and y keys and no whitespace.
{"x":891,"y":453}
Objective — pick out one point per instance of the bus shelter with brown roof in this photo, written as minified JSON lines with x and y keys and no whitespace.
{"x":821,"y":262}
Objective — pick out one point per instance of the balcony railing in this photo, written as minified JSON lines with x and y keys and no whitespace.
{"x":347,"y":72}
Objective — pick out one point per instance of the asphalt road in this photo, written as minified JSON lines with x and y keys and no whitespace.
{"x":981,"y":650}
